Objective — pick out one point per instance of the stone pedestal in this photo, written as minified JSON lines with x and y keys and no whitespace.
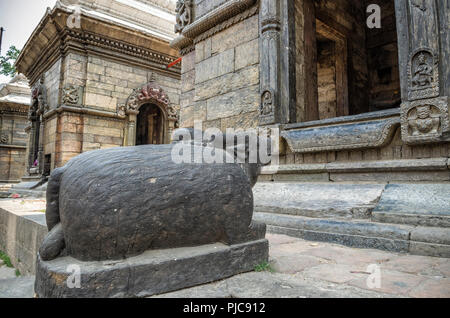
{"x":151,"y":273}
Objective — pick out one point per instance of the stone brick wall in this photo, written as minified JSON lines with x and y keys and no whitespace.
{"x":110,"y":83}
{"x":52,"y":84}
{"x":220,"y":79}
{"x":12,"y":152}
{"x":12,"y":163}
{"x":105,"y":84}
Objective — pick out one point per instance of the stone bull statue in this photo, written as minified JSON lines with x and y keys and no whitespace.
{"x":117,"y":203}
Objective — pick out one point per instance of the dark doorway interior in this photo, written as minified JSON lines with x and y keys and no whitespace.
{"x":150,"y":126}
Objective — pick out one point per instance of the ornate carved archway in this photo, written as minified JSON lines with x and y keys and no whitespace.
{"x":150,"y":93}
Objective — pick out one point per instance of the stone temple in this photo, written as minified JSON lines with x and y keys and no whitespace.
{"x":358,"y":90}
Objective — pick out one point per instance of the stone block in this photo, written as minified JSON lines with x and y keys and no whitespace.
{"x":188,"y":81}
{"x":153,"y":272}
{"x":96,"y":100}
{"x":247,"y":54}
{"x":215,"y":66}
{"x":317,"y":200}
{"x":243,"y":121}
{"x":96,"y":69}
{"x":188,"y":63}
{"x":234,"y":103}
{"x":235,"y":35}
{"x":227,"y":83}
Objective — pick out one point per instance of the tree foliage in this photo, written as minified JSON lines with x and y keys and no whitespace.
{"x":7,"y":62}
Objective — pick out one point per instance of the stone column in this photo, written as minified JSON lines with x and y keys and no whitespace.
{"x":131,"y":133}
{"x":270,"y":28}
{"x":423,"y":40}
{"x":41,"y":145}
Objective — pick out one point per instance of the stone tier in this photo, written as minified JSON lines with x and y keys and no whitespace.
{"x":408,"y":218}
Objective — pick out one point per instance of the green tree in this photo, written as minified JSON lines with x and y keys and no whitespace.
{"x":7,"y":62}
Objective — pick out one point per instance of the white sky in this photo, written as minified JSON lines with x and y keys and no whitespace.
{"x":19,"y":18}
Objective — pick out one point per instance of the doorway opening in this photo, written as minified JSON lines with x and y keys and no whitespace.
{"x":150,"y":126}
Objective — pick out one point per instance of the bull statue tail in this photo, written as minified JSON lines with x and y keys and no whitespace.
{"x":54,"y":242}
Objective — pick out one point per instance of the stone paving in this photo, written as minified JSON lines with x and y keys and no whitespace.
{"x":305,"y":269}
{"x":311,"y":269}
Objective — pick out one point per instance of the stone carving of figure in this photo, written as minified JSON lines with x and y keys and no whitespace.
{"x":424,"y":123}
{"x":423,"y":73}
{"x":267,"y":103}
{"x":184,"y":14}
{"x":70,"y":95}
{"x":419,"y":4}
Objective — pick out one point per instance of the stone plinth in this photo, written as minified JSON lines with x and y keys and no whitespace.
{"x":151,"y":273}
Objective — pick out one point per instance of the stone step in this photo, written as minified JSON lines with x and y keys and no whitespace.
{"x":318,"y":200}
{"x":414,"y":204}
{"x":363,"y":234}
{"x":33,"y":189}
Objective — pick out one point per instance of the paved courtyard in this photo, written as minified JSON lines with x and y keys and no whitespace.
{"x":303,"y":269}
{"x":311,"y":269}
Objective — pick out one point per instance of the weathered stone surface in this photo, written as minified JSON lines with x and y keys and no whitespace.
{"x":238,"y":102}
{"x":356,"y":135}
{"x":431,"y":235}
{"x":344,"y":239}
{"x":417,"y":204}
{"x":267,"y":285}
{"x":369,"y":229}
{"x":429,"y":249}
{"x":21,"y":287}
{"x":162,"y":210}
{"x":227,"y":83}
{"x":22,"y":230}
{"x":152,"y":272}
{"x":215,"y":66}
{"x":317,"y":199}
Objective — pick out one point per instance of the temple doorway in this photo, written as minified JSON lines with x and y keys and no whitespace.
{"x":150,"y":125}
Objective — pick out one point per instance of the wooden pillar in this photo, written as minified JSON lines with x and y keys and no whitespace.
{"x":423,"y":40}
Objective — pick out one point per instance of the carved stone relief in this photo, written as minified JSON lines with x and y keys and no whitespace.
{"x":424,"y":120}
{"x":71,"y":95}
{"x":183,"y":14}
{"x":423,"y":74}
{"x":39,"y":98}
{"x":270,"y":61}
{"x":4,"y":139}
{"x":266,"y":103}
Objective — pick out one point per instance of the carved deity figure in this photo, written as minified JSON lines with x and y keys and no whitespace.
{"x":423,"y":73}
{"x":267,"y":103}
{"x":424,"y":123}
{"x":70,"y":95}
{"x":183,"y":14}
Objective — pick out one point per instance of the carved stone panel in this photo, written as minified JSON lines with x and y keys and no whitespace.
{"x":71,"y":95}
{"x":425,"y":121}
{"x":183,"y":14}
{"x":423,"y":74}
{"x":4,"y":139}
{"x":270,"y":61}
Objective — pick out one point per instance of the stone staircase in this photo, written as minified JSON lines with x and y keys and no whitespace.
{"x":407,"y":218}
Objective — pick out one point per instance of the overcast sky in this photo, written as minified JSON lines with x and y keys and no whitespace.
{"x":19,"y":18}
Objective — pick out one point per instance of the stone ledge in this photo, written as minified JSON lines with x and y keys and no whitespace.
{"x":433,"y":164}
{"x":151,"y":273}
{"x":21,"y":234}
